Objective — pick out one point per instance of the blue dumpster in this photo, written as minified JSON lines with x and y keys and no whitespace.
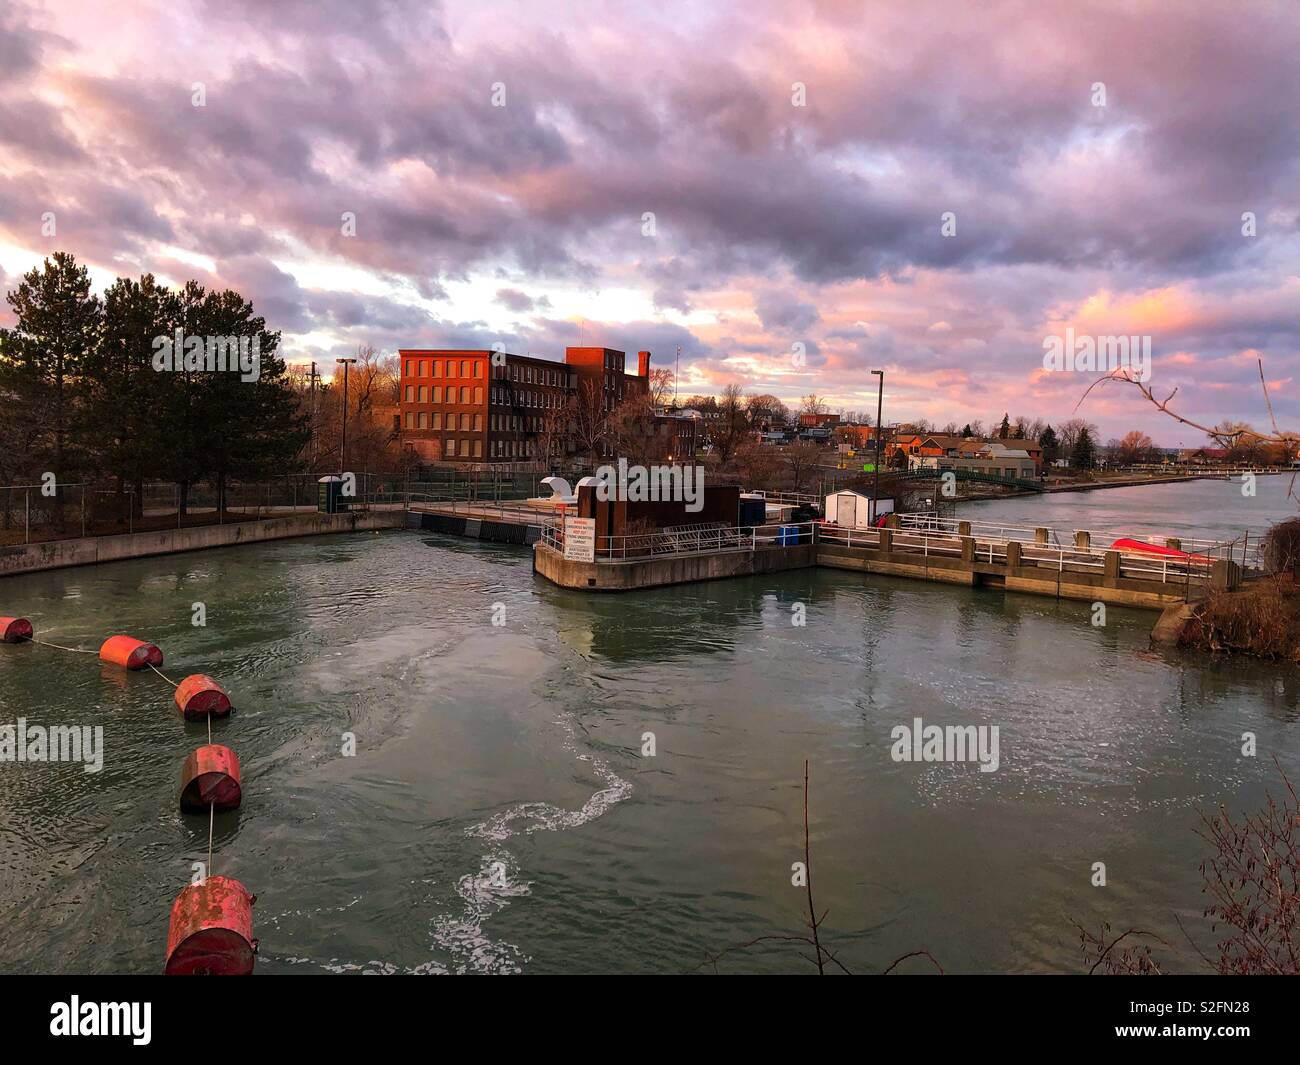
{"x":789,"y":535}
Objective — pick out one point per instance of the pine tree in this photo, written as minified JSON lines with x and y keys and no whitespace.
{"x":1084,"y":456}
{"x":1004,"y":430}
{"x":41,"y":359}
{"x":125,"y":396}
{"x":1048,"y":442}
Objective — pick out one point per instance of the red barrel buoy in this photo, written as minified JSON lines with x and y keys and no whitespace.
{"x":198,"y":695}
{"x":130,"y":653}
{"x":210,"y":777}
{"x":211,"y":930}
{"x":15,"y":630}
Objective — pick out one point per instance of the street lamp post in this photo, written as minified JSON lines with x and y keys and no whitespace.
{"x":343,"y":443}
{"x":880,"y":401}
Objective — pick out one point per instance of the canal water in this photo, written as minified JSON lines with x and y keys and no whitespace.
{"x":499,"y":814}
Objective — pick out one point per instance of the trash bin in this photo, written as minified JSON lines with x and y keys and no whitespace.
{"x":329,"y":495}
{"x":788,"y":535}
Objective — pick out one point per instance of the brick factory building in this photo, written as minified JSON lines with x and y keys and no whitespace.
{"x":479,"y":406}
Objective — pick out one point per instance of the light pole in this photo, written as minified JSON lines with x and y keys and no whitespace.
{"x":343,"y":443}
{"x":880,"y":401}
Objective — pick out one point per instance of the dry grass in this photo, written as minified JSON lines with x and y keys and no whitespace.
{"x":1261,"y":619}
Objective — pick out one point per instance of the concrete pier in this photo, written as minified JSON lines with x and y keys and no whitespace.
{"x":1032,"y":566}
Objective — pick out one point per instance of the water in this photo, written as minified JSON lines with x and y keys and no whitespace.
{"x":1211,"y":510}
{"x":499,"y":816}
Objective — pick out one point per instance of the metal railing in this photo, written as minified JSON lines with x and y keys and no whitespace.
{"x":992,"y":550}
{"x":690,"y":539}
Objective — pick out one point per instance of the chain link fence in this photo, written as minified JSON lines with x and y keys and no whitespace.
{"x":33,"y":513}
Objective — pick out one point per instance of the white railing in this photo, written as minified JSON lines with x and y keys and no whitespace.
{"x":993,"y":550}
{"x":689,"y":540}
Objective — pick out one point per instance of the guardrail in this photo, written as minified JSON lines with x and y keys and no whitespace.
{"x":689,"y":540}
{"x":942,"y":543}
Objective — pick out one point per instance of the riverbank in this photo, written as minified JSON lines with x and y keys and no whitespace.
{"x":1261,"y":619}
{"x":91,"y":550}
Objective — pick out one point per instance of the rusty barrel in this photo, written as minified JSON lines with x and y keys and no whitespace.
{"x":130,"y":653}
{"x":198,"y":695}
{"x":211,"y":930}
{"x":210,"y":777}
{"x":15,"y":630}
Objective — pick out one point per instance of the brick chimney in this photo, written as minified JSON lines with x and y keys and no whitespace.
{"x":643,"y":364}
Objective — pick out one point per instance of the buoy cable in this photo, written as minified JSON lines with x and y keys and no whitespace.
{"x":162,"y":674}
{"x":60,"y":647}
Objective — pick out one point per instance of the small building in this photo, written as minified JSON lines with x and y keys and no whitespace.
{"x":856,"y":510}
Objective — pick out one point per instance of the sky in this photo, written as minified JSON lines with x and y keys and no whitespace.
{"x":793,"y":193}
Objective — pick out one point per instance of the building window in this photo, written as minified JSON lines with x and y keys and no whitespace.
{"x":478,"y":394}
{"x":424,"y":420}
{"x":410,"y":420}
{"x":464,"y":393}
{"x":478,"y":369}
{"x":451,"y":448}
{"x":437,"y":368}
{"x":464,"y":367}
{"x":424,"y":393}
{"x":478,"y":449}
{"x":410,"y":393}
{"x":437,"y":393}
{"x":421,"y":368}
{"x":437,"y":420}
{"x":478,"y":422}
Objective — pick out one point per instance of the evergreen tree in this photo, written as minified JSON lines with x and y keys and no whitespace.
{"x":1004,"y":430}
{"x":1050,"y":445}
{"x":125,"y":396}
{"x":1084,"y":456}
{"x":254,"y":428}
{"x":41,"y":359}
{"x":966,"y":431}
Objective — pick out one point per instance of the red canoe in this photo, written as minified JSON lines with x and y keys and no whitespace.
{"x":1125,"y":544}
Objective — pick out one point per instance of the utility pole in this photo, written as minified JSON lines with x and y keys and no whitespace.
{"x":343,"y":443}
{"x":880,"y":429}
{"x":312,"y":378}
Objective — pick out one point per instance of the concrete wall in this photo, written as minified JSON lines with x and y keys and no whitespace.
{"x":57,"y":554}
{"x":1089,"y":586}
{"x":498,"y":532}
{"x":675,"y":569}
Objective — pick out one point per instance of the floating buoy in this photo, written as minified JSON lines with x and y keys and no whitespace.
{"x":198,"y":695}
{"x":130,"y":653}
{"x":211,"y":930}
{"x":15,"y":630}
{"x":210,"y":777}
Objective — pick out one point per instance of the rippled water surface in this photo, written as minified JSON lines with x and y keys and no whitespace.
{"x":499,"y":816}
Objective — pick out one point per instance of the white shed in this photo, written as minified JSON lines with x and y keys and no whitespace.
{"x":853,"y":510}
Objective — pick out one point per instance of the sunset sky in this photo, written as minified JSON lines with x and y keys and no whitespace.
{"x":775,"y":224}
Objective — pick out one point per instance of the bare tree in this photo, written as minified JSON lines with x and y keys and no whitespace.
{"x":802,"y":458}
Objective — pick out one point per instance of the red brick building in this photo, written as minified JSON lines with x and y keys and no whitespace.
{"x":483,"y":406}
